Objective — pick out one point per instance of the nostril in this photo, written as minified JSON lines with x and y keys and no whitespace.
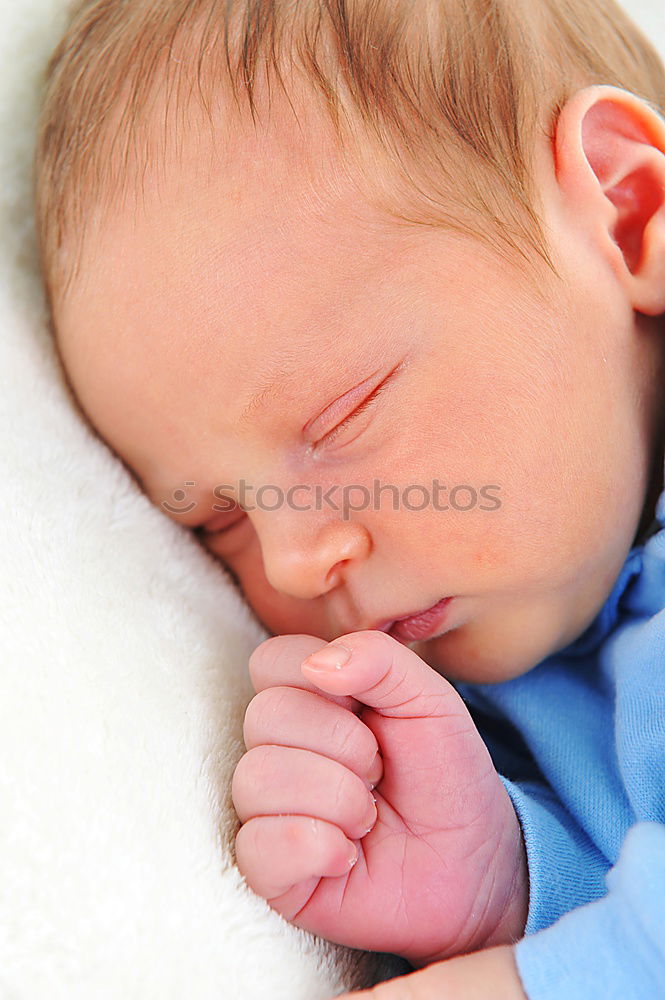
{"x":334,"y":575}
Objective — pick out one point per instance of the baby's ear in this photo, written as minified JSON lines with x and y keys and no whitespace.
{"x":610,"y":164}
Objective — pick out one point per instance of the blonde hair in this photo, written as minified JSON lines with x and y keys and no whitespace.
{"x":455,"y":91}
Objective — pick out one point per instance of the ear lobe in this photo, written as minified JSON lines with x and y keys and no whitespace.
{"x":610,"y":152}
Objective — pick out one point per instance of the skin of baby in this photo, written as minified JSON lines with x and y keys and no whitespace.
{"x":448,"y":365}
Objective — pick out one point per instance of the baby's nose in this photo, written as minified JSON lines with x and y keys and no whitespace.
{"x":305,"y":561}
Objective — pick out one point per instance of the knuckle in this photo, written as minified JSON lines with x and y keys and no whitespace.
{"x":250,"y":722}
{"x":251,"y":844}
{"x":261,"y":713}
{"x":239,"y":777}
{"x":254,"y":766}
{"x":237,"y":787}
{"x":349,"y":795}
{"x":261,"y":659}
{"x":277,"y":660}
{"x":353,"y":741}
{"x":341,"y":794}
{"x":245,"y":849}
{"x":256,"y":770}
{"x":343,"y":739}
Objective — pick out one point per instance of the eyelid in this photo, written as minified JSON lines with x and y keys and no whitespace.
{"x":235,"y":516}
{"x":332,"y":434}
{"x":368,"y":401}
{"x":345,"y":404}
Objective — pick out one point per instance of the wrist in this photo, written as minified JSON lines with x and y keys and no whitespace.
{"x":503,"y":900}
{"x":510,"y":925}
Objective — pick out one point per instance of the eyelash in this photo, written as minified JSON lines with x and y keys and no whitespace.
{"x":369,"y":401}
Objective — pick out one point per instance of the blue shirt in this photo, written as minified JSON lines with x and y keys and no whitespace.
{"x":579,"y":742}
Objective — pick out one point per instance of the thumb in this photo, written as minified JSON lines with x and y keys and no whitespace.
{"x":437,"y":772}
{"x":383,"y":674}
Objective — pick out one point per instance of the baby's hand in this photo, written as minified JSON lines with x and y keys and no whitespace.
{"x":441,"y":867}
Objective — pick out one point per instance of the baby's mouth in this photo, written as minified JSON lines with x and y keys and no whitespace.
{"x":420,"y":625}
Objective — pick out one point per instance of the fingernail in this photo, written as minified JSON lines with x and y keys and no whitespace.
{"x":353,"y":857}
{"x":331,"y":657}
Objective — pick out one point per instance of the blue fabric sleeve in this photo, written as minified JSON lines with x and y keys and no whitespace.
{"x":612,"y":948}
{"x":565,"y":868}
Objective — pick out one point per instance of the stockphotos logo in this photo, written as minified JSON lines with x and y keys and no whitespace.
{"x":345,"y":498}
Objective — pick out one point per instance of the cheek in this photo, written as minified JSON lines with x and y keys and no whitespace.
{"x":278,"y":613}
{"x":491,"y":556}
{"x":246,"y":567}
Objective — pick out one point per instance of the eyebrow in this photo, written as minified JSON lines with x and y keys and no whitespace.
{"x":264,"y":391}
{"x":284,"y":370}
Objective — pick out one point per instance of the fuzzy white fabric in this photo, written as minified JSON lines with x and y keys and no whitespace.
{"x":124,"y":685}
{"x":124,"y":681}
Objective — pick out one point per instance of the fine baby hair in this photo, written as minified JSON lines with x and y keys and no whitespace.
{"x":450,"y":92}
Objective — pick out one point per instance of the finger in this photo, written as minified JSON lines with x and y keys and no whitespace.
{"x":383,"y":674}
{"x":275,"y":853}
{"x":291,"y":717}
{"x":276,"y":662}
{"x":438,"y":771}
{"x":273,"y":780}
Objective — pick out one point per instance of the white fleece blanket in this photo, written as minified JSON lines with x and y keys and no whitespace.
{"x":124,"y":682}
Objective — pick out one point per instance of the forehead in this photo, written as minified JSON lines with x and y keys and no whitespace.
{"x":250,"y":235}
{"x":189,"y":298}
{"x":242,"y":201}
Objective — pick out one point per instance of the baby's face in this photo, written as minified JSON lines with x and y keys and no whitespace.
{"x":265,"y":328}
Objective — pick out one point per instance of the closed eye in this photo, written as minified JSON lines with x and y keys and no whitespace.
{"x":222,"y":523}
{"x":368,"y":402}
{"x":226,"y":541}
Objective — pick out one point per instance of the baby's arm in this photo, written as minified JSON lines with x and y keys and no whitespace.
{"x":594,"y":931}
{"x":611,"y":947}
{"x":490,"y":974}
{"x":442,"y":869}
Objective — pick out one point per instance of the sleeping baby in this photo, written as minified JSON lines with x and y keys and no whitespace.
{"x":369,"y":296}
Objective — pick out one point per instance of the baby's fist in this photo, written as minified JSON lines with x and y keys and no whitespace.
{"x":303,"y":789}
{"x":443,"y":869}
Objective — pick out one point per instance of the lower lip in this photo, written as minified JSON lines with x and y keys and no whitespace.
{"x":424,"y":625}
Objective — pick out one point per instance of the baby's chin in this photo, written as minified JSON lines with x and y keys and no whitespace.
{"x":479,"y":652}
